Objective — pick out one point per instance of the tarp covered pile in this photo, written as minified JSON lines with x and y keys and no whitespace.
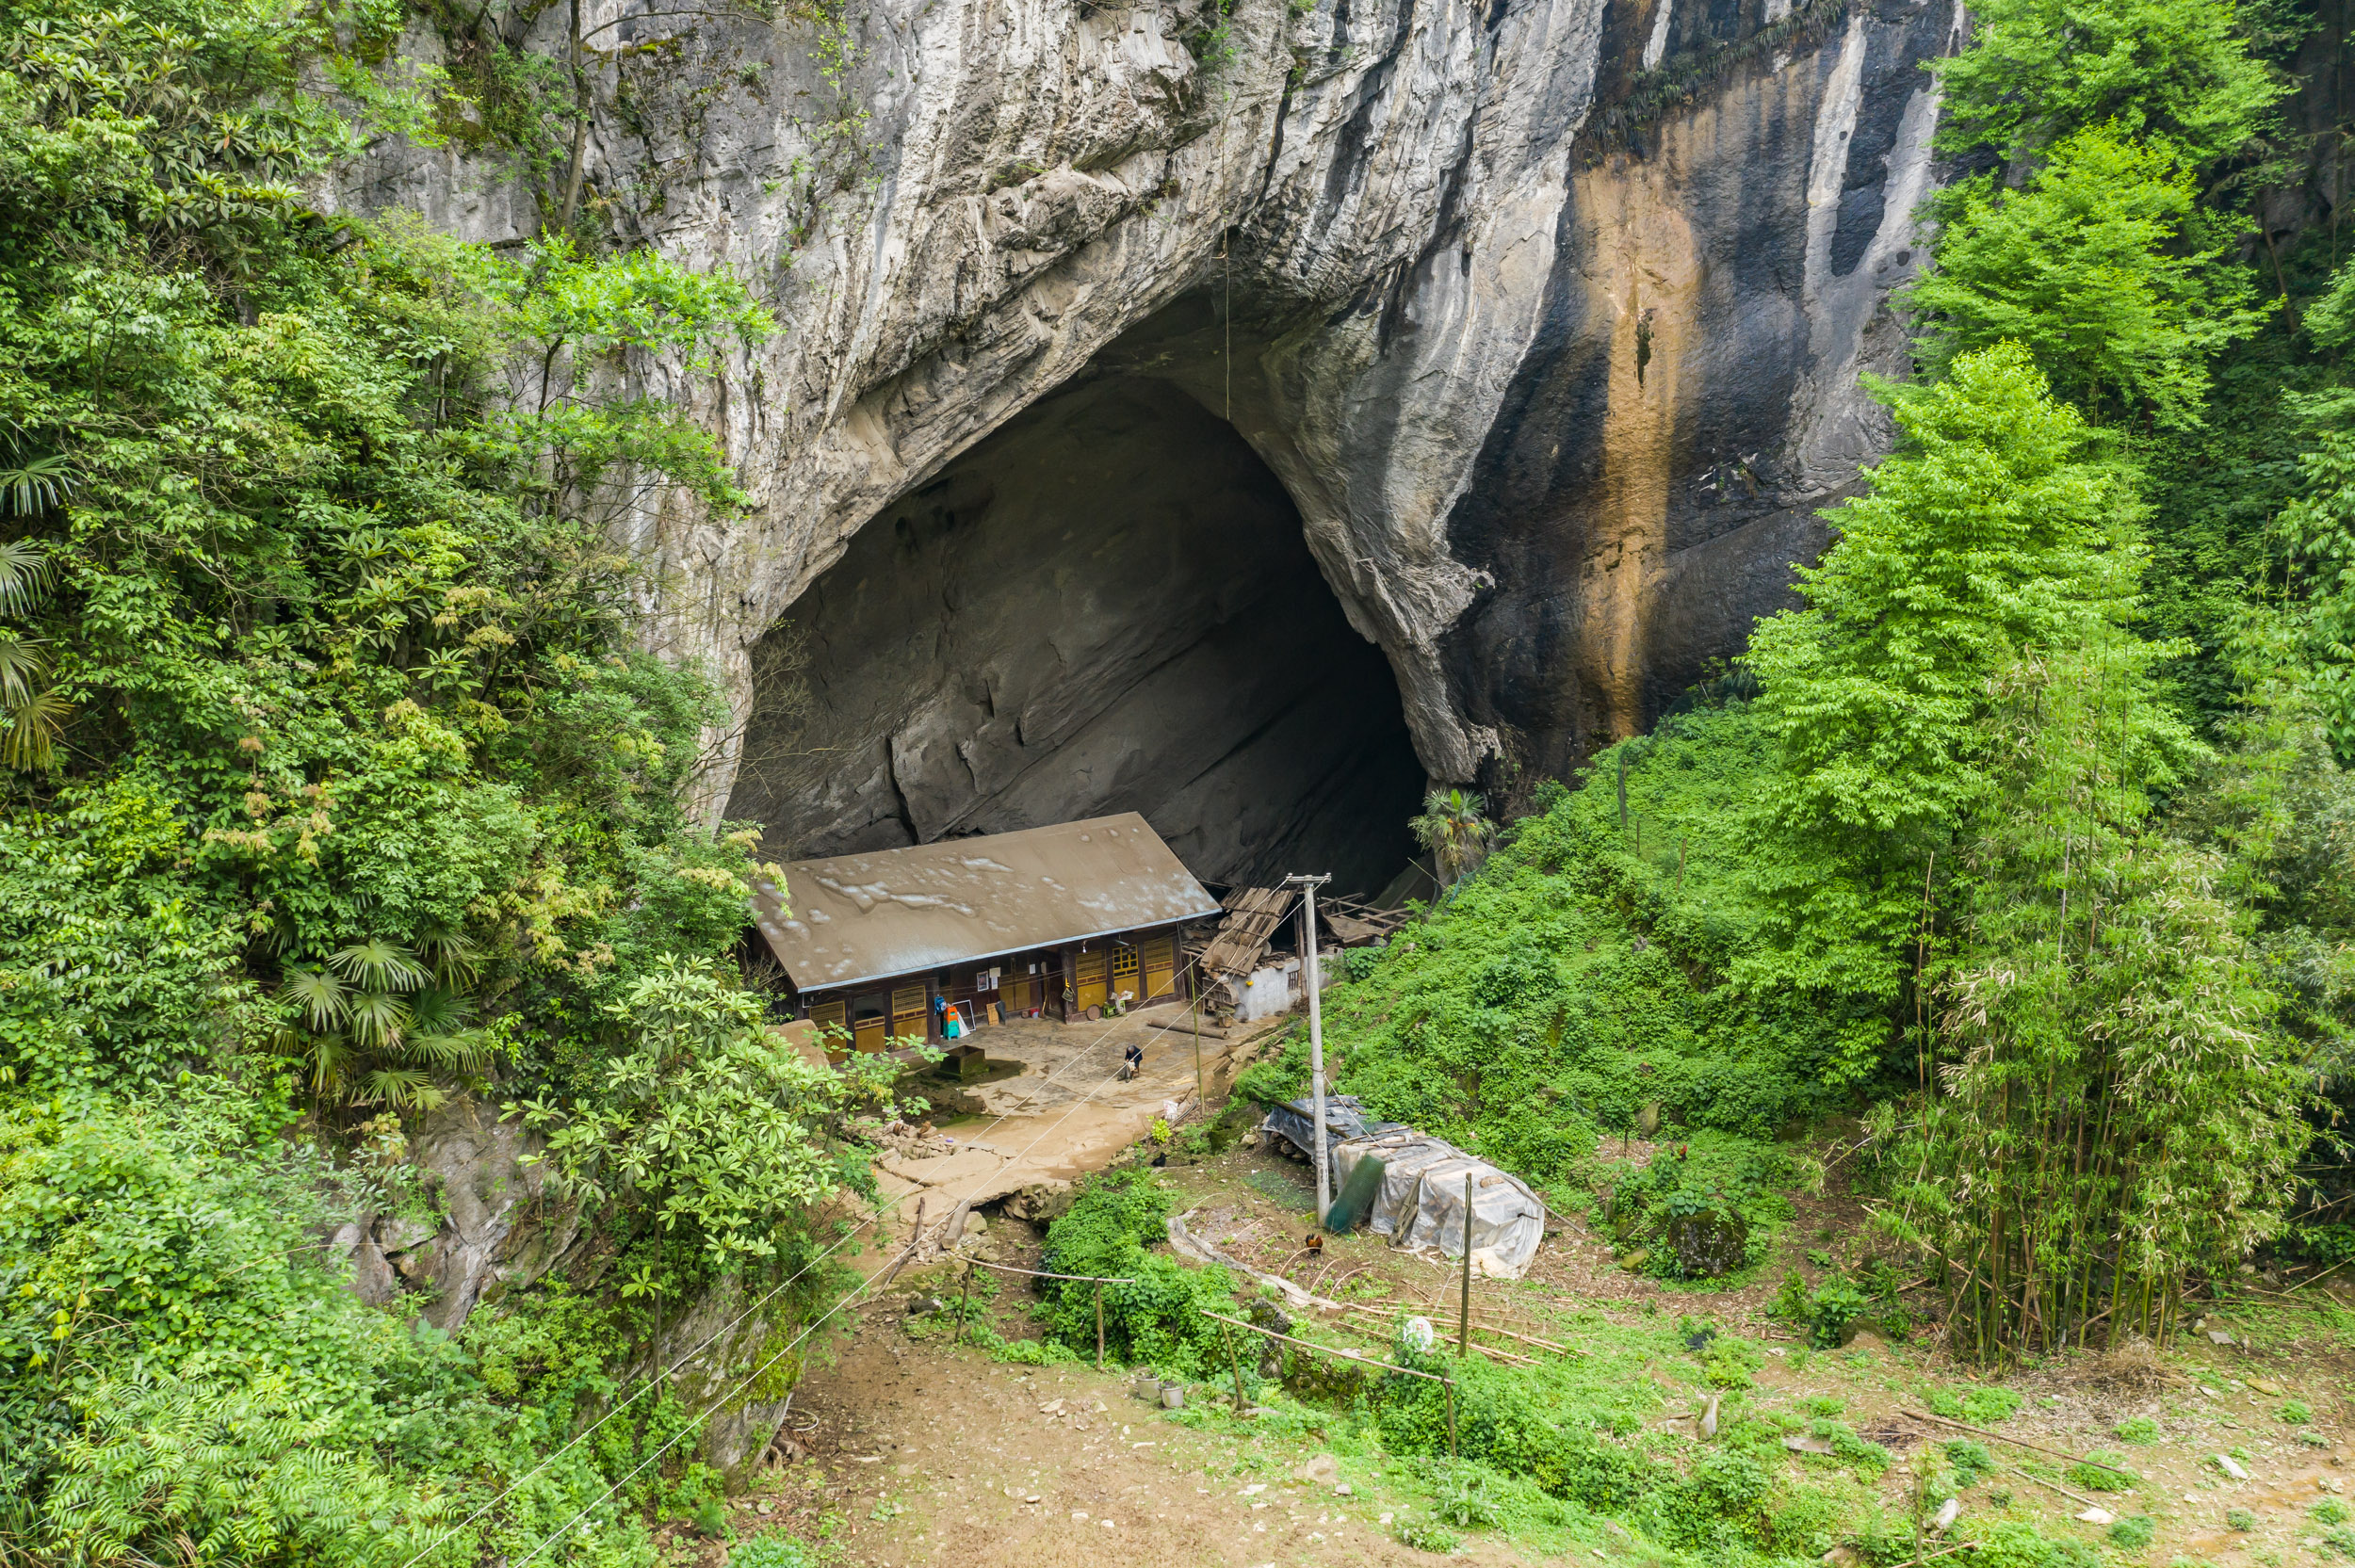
{"x":1420,"y":1205}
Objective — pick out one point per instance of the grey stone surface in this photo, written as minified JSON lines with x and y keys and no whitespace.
{"x":1554,"y":389}
{"x":1105,"y":606}
{"x":501,"y":1227}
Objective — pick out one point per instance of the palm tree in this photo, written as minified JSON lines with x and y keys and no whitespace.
{"x":1453,"y":828}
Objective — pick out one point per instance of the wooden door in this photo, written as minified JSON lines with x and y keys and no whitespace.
{"x":1090,"y":971}
{"x":868,"y":1033}
{"x":908,"y":1016}
{"x":1021,"y":993}
{"x":1159,"y":960}
{"x":1125,"y":973}
{"x":833,"y":1023}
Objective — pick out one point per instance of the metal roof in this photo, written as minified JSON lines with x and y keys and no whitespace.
{"x":856,"y":918}
{"x":1253,"y":914}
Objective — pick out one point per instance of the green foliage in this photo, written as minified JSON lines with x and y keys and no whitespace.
{"x":2016,"y":1544}
{"x":2103,"y":267}
{"x":1425,"y":1535}
{"x":2296,"y":1413}
{"x":1983,"y":1407}
{"x":2239,"y":1519}
{"x":2134,"y":1533}
{"x":335,"y":788}
{"x":2136,"y":1428}
{"x":1972,"y":1460}
{"x":717,"y":1125}
{"x":2330,"y":1511}
{"x":769,"y":1550}
{"x":1154,"y":1318}
{"x":2178,"y":73}
{"x":1999,"y":529}
{"x":1454,"y":828}
{"x":2102,"y":1476}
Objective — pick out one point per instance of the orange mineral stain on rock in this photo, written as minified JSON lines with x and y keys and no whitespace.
{"x":1648,"y":276}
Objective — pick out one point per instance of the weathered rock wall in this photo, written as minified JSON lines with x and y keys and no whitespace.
{"x":1106,"y":606}
{"x":1545,"y":313}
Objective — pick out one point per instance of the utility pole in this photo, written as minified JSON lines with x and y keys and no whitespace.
{"x":1309,"y":886}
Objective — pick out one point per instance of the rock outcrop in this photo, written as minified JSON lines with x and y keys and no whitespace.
{"x":1547,"y":314}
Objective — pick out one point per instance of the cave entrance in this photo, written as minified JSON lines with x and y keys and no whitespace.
{"x":1106,"y":606}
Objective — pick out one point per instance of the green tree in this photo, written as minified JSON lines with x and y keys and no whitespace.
{"x":2105,"y":1105}
{"x":1454,"y":828}
{"x":712,"y":1119}
{"x":1998,"y":531}
{"x":2178,"y":75}
{"x":2103,"y":267}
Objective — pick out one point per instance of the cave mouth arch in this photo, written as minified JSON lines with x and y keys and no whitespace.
{"x":1105,"y":606}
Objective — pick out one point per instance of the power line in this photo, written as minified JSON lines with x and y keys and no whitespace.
{"x":652,"y":1382}
{"x":907,"y":1252}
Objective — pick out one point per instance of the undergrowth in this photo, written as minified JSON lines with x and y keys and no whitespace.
{"x":1568,"y":1001}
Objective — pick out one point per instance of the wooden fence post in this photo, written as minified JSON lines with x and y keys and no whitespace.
{"x":963,"y":1295}
{"x":1099,"y":1325}
{"x":1450,"y":1389}
{"x":1226,"y":1335}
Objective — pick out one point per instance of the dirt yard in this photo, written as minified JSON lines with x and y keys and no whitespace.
{"x":914,"y":1452}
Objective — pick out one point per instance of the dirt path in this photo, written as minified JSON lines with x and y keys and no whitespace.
{"x":1066,"y":1113}
{"x":922,"y":1453}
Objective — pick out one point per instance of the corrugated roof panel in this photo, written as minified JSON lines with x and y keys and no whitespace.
{"x":854,"y":918}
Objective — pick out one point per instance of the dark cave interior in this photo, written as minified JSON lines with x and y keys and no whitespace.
{"x":1106,"y":606}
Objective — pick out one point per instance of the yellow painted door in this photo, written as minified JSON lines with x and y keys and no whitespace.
{"x":867,"y":1034}
{"x":1089,"y":973}
{"x":1124,"y":974}
{"x":907,"y":1012}
{"x":833,"y":1022}
{"x":1158,"y":955}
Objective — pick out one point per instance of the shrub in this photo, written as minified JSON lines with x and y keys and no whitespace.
{"x":2134,"y":1533}
{"x":1971,"y":1460}
{"x":773,"y":1550}
{"x":2136,"y":1428}
{"x":1427,"y":1535}
{"x":1156,"y":1316}
{"x":2098,"y":1476}
{"x":1981,"y":1406}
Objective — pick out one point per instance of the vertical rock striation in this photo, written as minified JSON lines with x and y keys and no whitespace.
{"x":1545,"y":314}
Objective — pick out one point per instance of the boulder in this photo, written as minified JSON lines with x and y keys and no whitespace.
{"x":1708,"y":1242}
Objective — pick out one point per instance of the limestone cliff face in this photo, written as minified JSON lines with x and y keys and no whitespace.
{"x":1545,"y":314}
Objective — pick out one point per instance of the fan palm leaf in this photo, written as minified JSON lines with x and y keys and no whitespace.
{"x":25,"y":569}
{"x":1455,"y":830}
{"x":454,"y":958}
{"x":332,"y":1057}
{"x":438,"y":1010}
{"x":22,"y":663}
{"x":30,"y":731}
{"x":324,"y":999}
{"x":378,"y":1019}
{"x":380,"y":966}
{"x":36,"y":485}
{"x":463,"y":1051}
{"x":401,"y":1088}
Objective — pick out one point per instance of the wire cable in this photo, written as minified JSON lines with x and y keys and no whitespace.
{"x":654,"y":1383}
{"x":905,"y":1253}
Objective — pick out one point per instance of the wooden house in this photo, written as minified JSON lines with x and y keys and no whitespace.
{"x":1048,"y":922}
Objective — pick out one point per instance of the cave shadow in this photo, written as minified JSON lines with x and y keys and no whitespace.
{"x":1105,"y":606}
